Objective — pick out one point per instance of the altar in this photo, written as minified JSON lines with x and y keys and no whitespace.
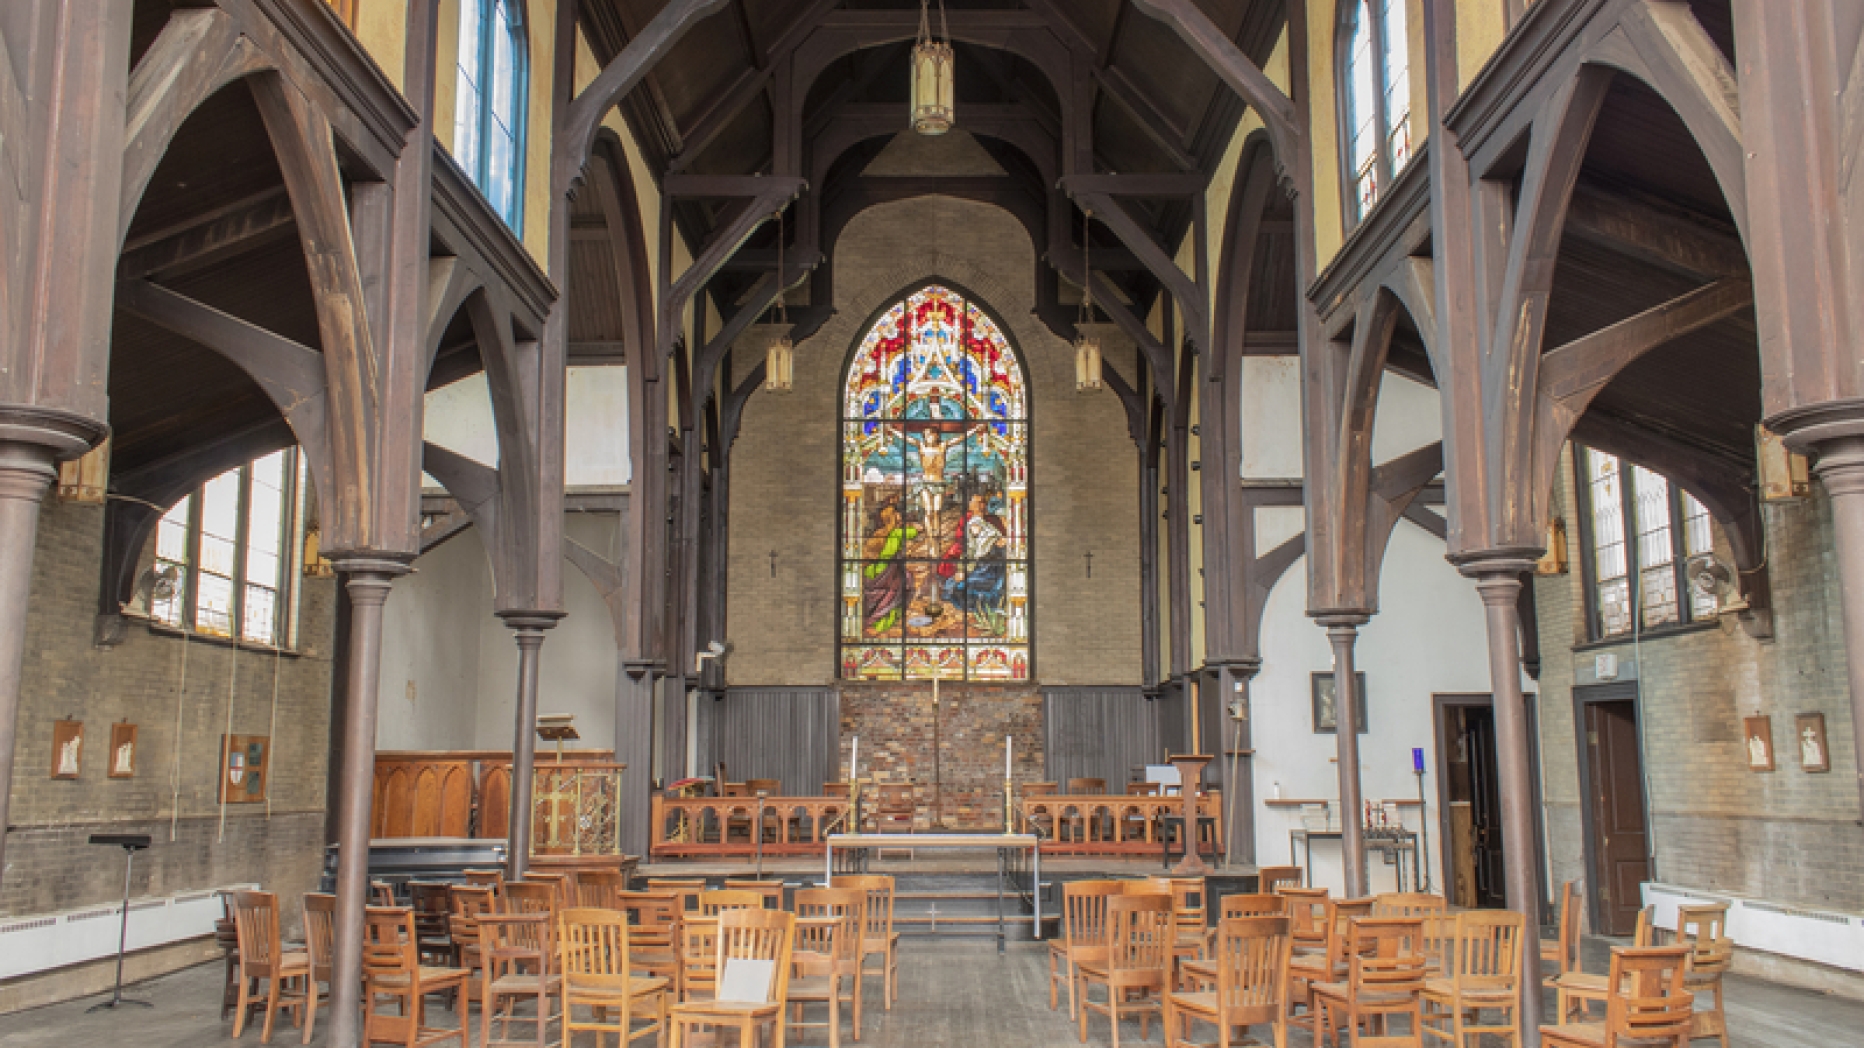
{"x":1009,"y":846}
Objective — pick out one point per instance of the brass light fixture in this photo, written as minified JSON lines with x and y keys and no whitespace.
{"x":932,"y":94}
{"x":1086,"y":346}
{"x":780,"y":359}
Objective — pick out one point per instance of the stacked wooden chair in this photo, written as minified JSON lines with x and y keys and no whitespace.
{"x":1251,"y":988}
{"x":1135,"y":965}
{"x":1646,"y":1006}
{"x":748,"y":934}
{"x":1704,"y":930}
{"x":826,"y":957}
{"x":594,"y":962}
{"x":320,"y":925}
{"x":1385,"y":980}
{"x":520,"y":961}
{"x":262,"y":958}
{"x":878,"y":939}
{"x":1487,"y":954}
{"x":1083,"y":925}
{"x":393,"y":975}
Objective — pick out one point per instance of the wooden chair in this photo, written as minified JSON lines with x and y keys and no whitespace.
{"x":1385,"y":978}
{"x":1251,"y":988}
{"x":1083,"y":925}
{"x":686,"y":888}
{"x":1081,"y":825}
{"x":759,"y":934}
{"x":287,"y":974}
{"x":1270,"y":879}
{"x":767,"y":787}
{"x":485,"y":878}
{"x":712,"y":903}
{"x":382,"y":892}
{"x":392,"y":969}
{"x":878,"y":939}
{"x":521,"y":897}
{"x":1439,"y":926}
{"x":1408,"y":904}
{"x":1139,"y":937}
{"x":835,"y":789}
{"x":1142,"y":789}
{"x":1189,"y":918}
{"x":1309,"y":971}
{"x":895,"y":808}
{"x":520,"y":955}
{"x":698,"y":952}
{"x":771,"y":891}
{"x":226,"y":936}
{"x":593,"y":954}
{"x":564,"y":884}
{"x":320,"y":928}
{"x":1647,"y":1005}
{"x":1563,"y":949}
{"x":432,"y":903}
{"x":1040,"y":824}
{"x":1307,"y":909}
{"x":1578,"y":989}
{"x":1245,"y":905}
{"x":827,"y":955}
{"x":1704,"y":929}
{"x":1488,"y":951}
{"x":1085,"y":785}
{"x":653,"y":935}
{"x":470,"y":902}
{"x":595,"y":889}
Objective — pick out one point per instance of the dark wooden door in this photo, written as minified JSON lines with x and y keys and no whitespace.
{"x":1485,"y":807}
{"x":1620,"y":837}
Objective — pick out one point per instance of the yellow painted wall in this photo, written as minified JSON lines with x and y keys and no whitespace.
{"x":540,"y":22}
{"x":1480,"y":27}
{"x":382,"y":28}
{"x":1324,"y":131}
{"x":446,"y":71}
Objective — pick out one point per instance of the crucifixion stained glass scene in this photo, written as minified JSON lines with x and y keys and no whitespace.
{"x":935,"y":514}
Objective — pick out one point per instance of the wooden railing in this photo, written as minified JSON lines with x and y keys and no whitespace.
{"x":730,"y":825}
{"x":1109,"y":824}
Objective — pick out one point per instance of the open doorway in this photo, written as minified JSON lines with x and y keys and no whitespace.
{"x":1617,"y":830}
{"x":1469,"y":798}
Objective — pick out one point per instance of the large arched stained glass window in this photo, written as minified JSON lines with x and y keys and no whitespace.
{"x":935,"y":523}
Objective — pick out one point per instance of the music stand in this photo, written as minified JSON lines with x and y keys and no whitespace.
{"x":131,"y":843}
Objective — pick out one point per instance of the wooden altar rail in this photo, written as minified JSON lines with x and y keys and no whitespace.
{"x":1097,"y":824}
{"x":450,"y":793}
{"x":705,"y":826}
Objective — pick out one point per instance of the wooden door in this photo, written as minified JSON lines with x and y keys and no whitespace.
{"x":1485,"y":807}
{"x":1620,"y":838}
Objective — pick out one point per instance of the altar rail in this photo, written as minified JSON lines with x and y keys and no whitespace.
{"x":1078,"y":824}
{"x":1110,"y":824}
{"x":702,"y":826}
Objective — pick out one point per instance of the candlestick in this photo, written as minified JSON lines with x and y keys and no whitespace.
{"x":1009,"y":741}
{"x":1009,"y":806}
{"x":854,"y":758}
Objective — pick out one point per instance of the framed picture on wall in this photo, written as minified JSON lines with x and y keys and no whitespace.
{"x":245,"y":767}
{"x":1325,"y":720}
{"x":67,"y":748}
{"x":1759,"y":735}
{"x":122,"y":751}
{"x":1809,"y":732}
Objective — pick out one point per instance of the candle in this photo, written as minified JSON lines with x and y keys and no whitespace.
{"x":854,"y":757}
{"x":1008,"y":742}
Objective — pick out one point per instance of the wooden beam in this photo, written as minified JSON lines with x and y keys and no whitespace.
{"x":1234,"y":68}
{"x":619,"y":77}
{"x":1653,"y":235}
{"x":290,"y":373}
{"x":1573,"y":373}
{"x":1189,"y":184}
{"x":1189,"y":296}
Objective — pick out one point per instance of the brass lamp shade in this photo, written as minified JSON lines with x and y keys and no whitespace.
{"x":932,"y":98}
{"x":1086,"y":364}
{"x":780,"y":366}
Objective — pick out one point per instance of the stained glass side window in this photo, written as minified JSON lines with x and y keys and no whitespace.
{"x":935,"y":515}
{"x":1375,"y":95}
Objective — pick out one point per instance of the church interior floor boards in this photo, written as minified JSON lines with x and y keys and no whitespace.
{"x":953,"y":991}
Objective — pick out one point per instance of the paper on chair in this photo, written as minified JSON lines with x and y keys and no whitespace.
{"x":746,"y":981}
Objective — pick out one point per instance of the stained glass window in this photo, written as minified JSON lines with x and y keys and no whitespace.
{"x":935,"y":516}
{"x":1375,"y":86}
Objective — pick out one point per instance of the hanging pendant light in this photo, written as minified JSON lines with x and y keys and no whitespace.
{"x":933,"y":113}
{"x":780,"y":358}
{"x":1086,"y":346}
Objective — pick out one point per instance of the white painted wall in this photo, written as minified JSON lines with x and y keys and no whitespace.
{"x":1271,"y":418}
{"x":459,"y":417}
{"x":430,"y":649}
{"x":1410,"y":416}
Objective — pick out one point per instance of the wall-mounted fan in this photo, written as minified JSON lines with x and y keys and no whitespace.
{"x":1711,"y":576}
{"x":152,"y":586}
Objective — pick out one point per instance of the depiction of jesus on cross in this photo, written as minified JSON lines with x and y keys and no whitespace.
{"x":932,"y":452}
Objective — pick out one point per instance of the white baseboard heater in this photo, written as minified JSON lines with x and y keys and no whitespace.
{"x":44,"y":942}
{"x":1835,"y":939}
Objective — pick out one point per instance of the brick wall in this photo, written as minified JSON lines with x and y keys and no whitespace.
{"x":49,"y":867}
{"x":1786,"y":835}
{"x":1084,"y":470}
{"x":895,"y":723}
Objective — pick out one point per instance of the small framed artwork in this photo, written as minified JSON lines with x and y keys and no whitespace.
{"x":1759,"y":734}
{"x":67,"y":748}
{"x":1809,"y":730}
{"x":1326,"y":722}
{"x":245,"y":767}
{"x":122,"y":751}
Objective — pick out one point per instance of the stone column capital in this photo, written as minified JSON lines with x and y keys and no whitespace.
{"x":530,"y":625}
{"x":1808,"y":427}
{"x":368,"y":575}
{"x":64,"y":434}
{"x":1499,"y":567}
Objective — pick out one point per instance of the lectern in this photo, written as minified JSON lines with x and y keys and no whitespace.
{"x":131,"y":843}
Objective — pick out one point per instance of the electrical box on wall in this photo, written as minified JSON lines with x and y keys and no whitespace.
{"x":1605,"y":665}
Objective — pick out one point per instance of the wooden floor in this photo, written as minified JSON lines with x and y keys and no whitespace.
{"x":953,"y":991}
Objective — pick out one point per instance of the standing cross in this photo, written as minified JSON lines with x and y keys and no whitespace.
{"x":773,"y":563}
{"x":1090,"y":563}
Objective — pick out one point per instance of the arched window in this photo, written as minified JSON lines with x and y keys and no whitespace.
{"x":488,"y":114}
{"x":1375,"y":94}
{"x":935,"y":520}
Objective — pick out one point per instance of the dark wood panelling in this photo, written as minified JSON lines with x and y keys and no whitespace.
{"x":1098,"y":732}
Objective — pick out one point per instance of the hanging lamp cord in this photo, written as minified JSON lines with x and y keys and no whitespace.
{"x":1087,"y":267}
{"x":783,"y":313}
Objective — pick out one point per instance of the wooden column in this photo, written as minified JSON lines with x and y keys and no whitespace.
{"x":529,"y":629}
{"x":1343,"y":633}
{"x":1498,"y":579}
{"x":368,"y":580}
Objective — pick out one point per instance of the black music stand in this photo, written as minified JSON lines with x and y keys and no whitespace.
{"x":131,"y":843}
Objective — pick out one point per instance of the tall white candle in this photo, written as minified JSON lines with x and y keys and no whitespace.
{"x":854,"y":758}
{"x":1008,"y":742}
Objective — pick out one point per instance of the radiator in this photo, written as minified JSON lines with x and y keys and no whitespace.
{"x":1835,"y":939}
{"x":30,"y":945}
